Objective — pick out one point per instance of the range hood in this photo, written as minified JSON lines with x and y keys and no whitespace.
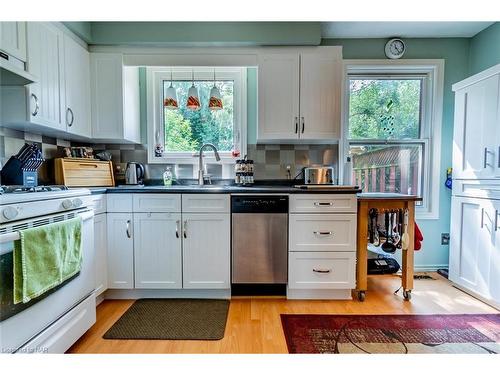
{"x":12,"y":75}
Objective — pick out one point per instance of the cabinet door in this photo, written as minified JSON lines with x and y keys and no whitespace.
{"x":106,"y":92}
{"x":13,"y":39}
{"x":100,"y":245}
{"x":120,"y":251}
{"x":157,"y":251}
{"x":76,"y":111}
{"x":475,"y":153}
{"x":320,"y":91}
{"x":206,"y":251}
{"x":471,"y":228}
{"x":278,"y":96}
{"x":45,"y":53}
{"x":494,"y":280}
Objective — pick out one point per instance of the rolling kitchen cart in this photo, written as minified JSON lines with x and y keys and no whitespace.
{"x":384,"y":201}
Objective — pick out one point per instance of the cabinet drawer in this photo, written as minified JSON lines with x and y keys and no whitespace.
{"x":322,"y":270}
{"x":325,"y":232}
{"x":157,"y":203}
{"x":119,"y":203}
{"x":314,"y":203}
{"x":206,"y":203}
{"x":99,"y":203}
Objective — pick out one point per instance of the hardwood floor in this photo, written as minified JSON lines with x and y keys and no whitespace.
{"x":254,"y":324}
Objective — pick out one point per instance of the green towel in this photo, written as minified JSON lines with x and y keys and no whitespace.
{"x":45,"y":257}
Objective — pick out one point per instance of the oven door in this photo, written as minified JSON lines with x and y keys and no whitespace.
{"x":20,"y":323}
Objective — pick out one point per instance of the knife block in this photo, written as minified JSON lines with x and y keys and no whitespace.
{"x":13,"y":174}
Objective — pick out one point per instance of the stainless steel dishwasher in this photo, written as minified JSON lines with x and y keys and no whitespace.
{"x":259,"y":239}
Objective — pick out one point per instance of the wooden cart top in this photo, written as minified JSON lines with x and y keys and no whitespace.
{"x":387,"y":197}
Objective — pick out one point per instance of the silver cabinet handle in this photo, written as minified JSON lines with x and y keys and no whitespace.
{"x":319,"y":270}
{"x":37,"y":107}
{"x":320,"y":233}
{"x":296,"y":124}
{"x":303,"y":124}
{"x":485,"y":157}
{"x":323,"y":203}
{"x":70,"y":123}
{"x":498,"y":156}
{"x":185,"y":229}
{"x":177,"y":228}
{"x":129,"y":235}
{"x":482,"y":217}
{"x":496,"y":220}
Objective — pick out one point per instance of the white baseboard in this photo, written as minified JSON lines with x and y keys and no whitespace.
{"x":429,"y":267}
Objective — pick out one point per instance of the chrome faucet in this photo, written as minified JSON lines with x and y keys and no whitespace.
{"x":201,"y":168}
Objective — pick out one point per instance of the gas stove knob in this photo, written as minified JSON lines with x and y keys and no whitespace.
{"x":10,"y":213}
{"x":67,"y":204}
{"x":77,"y":202}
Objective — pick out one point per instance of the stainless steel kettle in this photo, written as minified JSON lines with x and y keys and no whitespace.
{"x":134,"y":173}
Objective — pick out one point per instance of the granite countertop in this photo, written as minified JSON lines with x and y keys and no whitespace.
{"x":219,"y":188}
{"x":387,"y":196}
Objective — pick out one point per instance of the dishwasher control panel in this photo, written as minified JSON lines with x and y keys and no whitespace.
{"x":259,"y":204}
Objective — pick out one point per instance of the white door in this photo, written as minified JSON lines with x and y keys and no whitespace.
{"x":76,"y":111}
{"x":100,"y":245}
{"x":320,"y":90}
{"x":13,"y":39}
{"x":278,"y":96}
{"x":157,"y":250}
{"x":475,"y":148}
{"x":120,"y":251}
{"x":494,"y":280}
{"x":471,"y":228}
{"x":45,"y":53}
{"x":206,"y":251}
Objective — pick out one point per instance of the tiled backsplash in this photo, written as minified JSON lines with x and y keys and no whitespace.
{"x":271,"y":161}
{"x":11,"y":142}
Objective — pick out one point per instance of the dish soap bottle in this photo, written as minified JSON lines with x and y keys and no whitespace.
{"x":167,"y":177}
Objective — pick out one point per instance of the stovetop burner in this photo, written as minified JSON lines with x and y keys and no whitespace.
{"x":17,"y":189}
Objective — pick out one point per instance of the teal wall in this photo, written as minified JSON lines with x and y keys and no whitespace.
{"x":82,"y":29}
{"x":207,"y":33}
{"x":455,"y":53}
{"x":252,"y":111}
{"x":484,"y":49}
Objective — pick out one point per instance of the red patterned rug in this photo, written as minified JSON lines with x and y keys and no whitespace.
{"x":397,"y":334}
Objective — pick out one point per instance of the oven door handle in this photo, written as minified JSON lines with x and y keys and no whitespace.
{"x":14,"y":236}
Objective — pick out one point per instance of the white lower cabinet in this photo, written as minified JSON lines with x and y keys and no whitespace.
{"x":100,"y":244}
{"x":206,"y":251}
{"x":157,"y":250}
{"x":120,"y":251}
{"x":475,"y":246}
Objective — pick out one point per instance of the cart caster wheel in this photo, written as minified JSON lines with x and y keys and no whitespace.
{"x":407,"y":295}
{"x":361,"y":296}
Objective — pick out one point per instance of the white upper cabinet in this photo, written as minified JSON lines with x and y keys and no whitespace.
{"x":13,"y":39}
{"x":320,"y":90}
{"x":278,"y":96}
{"x":76,"y":111}
{"x":45,"y":53}
{"x":300,"y":94}
{"x":115,"y":99}
{"x":476,"y":147}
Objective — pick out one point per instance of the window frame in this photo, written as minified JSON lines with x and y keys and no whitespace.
{"x":155,"y":77}
{"x":430,"y":124}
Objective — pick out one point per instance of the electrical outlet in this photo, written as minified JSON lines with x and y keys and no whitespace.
{"x":445,"y":238}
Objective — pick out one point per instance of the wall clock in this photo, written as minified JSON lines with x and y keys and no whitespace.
{"x":395,"y":48}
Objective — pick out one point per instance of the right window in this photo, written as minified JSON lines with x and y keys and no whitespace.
{"x":387,"y":144}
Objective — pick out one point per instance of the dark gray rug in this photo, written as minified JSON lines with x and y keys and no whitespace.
{"x":172,"y":319}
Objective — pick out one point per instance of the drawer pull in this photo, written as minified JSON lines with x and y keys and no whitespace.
{"x":323,"y":203}
{"x":88,"y":165}
{"x":319,"y":233}
{"x":319,"y":270}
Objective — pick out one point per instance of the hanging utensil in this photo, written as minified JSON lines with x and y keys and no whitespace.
{"x":388,"y":246}
{"x":376,"y":236}
{"x":396,"y":237}
{"x":406,"y":238}
{"x":371,"y":225}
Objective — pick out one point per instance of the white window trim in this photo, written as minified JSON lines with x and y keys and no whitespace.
{"x":433,"y":104}
{"x":155,"y":77}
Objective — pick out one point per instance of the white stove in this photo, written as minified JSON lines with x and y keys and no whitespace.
{"x":18,"y":203}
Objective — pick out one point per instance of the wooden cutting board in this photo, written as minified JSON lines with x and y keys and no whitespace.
{"x":76,"y":172}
